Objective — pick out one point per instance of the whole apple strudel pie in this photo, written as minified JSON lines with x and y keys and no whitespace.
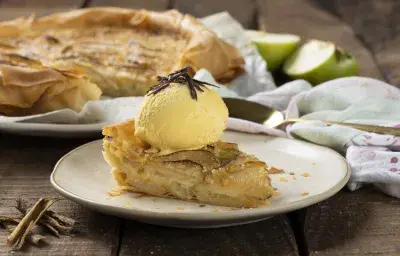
{"x":121,"y":50}
{"x":173,"y":149}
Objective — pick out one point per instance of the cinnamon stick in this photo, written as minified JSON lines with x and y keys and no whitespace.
{"x":17,"y":237}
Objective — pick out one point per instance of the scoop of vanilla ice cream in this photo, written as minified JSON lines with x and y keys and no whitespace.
{"x":172,"y":120}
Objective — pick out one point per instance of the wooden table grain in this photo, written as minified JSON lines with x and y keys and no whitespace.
{"x":364,"y":222}
{"x":25,"y":166}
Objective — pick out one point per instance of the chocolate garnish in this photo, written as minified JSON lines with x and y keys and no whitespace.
{"x":181,"y":76}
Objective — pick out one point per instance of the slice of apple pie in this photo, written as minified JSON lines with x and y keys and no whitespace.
{"x":218,"y":173}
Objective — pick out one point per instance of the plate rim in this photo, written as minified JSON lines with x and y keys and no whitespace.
{"x":50,"y":126}
{"x":229,"y":216}
{"x":53,"y":130}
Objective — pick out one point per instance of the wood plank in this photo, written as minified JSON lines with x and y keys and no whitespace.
{"x":25,"y":167}
{"x":155,"y":5}
{"x":304,"y":19}
{"x":14,"y":9}
{"x":350,"y":223}
{"x":376,"y":23}
{"x":272,"y":236}
{"x":26,"y":164}
{"x":355,"y":223}
{"x":243,"y":10}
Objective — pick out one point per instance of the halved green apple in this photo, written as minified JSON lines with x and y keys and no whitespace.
{"x":319,"y":61}
{"x":273,"y":48}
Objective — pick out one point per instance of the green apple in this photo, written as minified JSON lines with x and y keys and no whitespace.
{"x":319,"y":61}
{"x":273,"y":48}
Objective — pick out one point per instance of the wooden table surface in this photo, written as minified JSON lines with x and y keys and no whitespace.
{"x":364,"y":222}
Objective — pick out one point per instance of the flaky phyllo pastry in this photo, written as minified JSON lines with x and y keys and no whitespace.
{"x":218,"y":173}
{"x":26,"y":90}
{"x":120,"y":50}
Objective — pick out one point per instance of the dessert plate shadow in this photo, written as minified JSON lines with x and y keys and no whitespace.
{"x":311,"y":174}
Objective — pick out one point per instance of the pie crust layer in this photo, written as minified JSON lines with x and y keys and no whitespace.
{"x":27,"y":90}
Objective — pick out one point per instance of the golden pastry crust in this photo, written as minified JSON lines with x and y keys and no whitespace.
{"x":121,"y":50}
{"x":217,"y":174}
{"x":27,"y":90}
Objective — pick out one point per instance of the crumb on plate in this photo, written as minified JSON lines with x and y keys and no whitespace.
{"x":283,"y":179}
{"x":291,"y":173}
{"x":180,"y":208}
{"x":274,"y":170}
{"x":116,"y":192}
{"x":313,"y":163}
{"x":304,"y":193}
{"x":276,"y":193}
{"x":305,"y":174}
{"x":294,"y":177}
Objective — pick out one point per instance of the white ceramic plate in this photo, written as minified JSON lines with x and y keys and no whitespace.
{"x":53,"y":130}
{"x":84,"y":177}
